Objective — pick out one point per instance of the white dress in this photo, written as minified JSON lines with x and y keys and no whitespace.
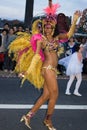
{"x":72,"y":64}
{"x":64,"y":61}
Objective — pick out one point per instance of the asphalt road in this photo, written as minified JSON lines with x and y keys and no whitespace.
{"x":70,"y":111}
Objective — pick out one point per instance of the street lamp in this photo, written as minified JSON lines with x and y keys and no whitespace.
{"x":28,"y":12}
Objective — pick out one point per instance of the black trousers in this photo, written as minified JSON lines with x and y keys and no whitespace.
{"x":85,"y":66}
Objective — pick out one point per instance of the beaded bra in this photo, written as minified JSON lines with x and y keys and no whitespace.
{"x":51,"y":46}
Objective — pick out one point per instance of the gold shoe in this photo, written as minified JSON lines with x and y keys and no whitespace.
{"x":49,"y":126}
{"x":26,"y":119}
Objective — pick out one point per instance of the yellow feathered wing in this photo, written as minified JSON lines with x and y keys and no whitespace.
{"x":23,"y":62}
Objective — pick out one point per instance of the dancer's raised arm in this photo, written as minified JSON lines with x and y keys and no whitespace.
{"x":76,"y":16}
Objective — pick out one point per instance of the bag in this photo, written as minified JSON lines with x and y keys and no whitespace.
{"x":1,"y":57}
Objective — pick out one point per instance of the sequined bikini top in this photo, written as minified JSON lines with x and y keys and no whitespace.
{"x":51,"y":46}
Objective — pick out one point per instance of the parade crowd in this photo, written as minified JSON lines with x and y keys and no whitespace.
{"x":8,"y":34}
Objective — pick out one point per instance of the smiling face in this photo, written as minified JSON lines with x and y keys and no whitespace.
{"x":48,"y":29}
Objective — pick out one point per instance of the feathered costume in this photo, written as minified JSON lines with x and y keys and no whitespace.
{"x":28,"y":63}
{"x":24,"y":48}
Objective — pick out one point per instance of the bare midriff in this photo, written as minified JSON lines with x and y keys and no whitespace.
{"x":50,"y":59}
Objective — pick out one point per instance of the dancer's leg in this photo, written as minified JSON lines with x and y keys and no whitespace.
{"x":45,"y":96}
{"x":52,"y":86}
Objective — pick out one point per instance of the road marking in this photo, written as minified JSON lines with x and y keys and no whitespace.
{"x":26,"y":106}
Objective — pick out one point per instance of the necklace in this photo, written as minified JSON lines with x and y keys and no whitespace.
{"x":49,"y":40}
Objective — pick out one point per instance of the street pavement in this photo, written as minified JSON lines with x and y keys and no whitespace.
{"x":70,"y":111}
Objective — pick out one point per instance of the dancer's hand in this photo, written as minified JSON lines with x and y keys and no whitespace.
{"x":77,"y":14}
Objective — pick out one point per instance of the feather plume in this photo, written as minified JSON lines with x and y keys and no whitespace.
{"x":51,"y":9}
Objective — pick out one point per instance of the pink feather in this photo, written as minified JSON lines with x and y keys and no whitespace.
{"x":51,"y":10}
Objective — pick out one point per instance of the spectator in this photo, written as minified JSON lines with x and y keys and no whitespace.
{"x":6,"y":26}
{"x":27,"y":30}
{"x":20,"y":29}
{"x":85,"y":58}
{"x":8,"y":63}
{"x":15,"y":29}
{"x":70,"y":47}
{"x":74,"y":65}
{"x":74,"y":69}
{"x":3,"y":38}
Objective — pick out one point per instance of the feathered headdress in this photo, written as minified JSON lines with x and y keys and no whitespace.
{"x":50,"y":12}
{"x":52,"y":8}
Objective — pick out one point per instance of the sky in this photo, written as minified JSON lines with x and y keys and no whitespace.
{"x":15,"y":9}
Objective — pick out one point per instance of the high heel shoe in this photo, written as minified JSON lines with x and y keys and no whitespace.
{"x":49,"y":125}
{"x":26,"y":119}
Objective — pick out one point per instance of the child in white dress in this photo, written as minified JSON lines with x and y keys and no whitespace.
{"x":74,"y":68}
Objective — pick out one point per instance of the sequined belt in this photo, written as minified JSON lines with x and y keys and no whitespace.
{"x":50,"y":67}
